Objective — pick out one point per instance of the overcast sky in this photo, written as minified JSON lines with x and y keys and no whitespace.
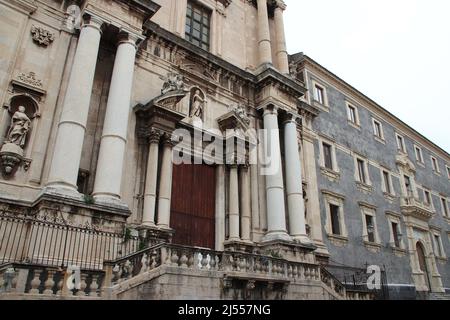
{"x":397,"y":52}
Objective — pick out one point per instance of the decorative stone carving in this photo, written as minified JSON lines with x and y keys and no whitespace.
{"x":173,"y":82}
{"x":73,"y":20}
{"x":41,"y":36}
{"x":30,"y":79}
{"x":240,"y":112}
{"x":197,"y":104}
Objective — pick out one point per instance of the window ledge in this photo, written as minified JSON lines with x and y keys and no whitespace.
{"x":442,"y":260}
{"x":399,"y":252}
{"x":437,"y":173}
{"x":363,"y":187}
{"x":389,"y":197}
{"x":420,"y":164}
{"x":354,"y":125}
{"x":333,"y":176}
{"x":380,"y":140}
{"x":374,"y":247}
{"x":337,"y":240}
{"x":321,"y":106}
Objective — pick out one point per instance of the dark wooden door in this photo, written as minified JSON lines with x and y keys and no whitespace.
{"x":193,"y":205}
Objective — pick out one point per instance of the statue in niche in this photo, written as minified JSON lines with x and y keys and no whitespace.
{"x":20,"y":126}
{"x":174,"y":82}
{"x":197,"y":104}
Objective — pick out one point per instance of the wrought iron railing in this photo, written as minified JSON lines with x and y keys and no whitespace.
{"x":49,"y":240}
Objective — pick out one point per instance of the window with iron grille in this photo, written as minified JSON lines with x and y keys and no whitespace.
{"x":198,"y":25}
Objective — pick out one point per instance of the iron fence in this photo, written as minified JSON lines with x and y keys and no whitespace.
{"x":51,"y":240}
{"x":356,"y":280}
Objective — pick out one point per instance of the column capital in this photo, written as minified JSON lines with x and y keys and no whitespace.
{"x":154,"y":137}
{"x":93,"y":21}
{"x":167,"y":140}
{"x":292,"y":117}
{"x":128,"y":37}
{"x":270,"y":109}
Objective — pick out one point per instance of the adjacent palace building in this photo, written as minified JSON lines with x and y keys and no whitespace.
{"x":294,"y":185}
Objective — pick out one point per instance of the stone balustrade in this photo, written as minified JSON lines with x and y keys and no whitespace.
{"x":49,"y":282}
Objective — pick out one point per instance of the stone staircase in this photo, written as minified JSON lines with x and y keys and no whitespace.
{"x":167,"y":271}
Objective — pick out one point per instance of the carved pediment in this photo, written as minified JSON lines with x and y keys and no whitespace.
{"x":235,"y":119}
{"x":403,"y":161}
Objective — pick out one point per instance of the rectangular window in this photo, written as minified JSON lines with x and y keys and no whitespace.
{"x":448,"y":171}
{"x":435,"y":164}
{"x":419,"y":155}
{"x":327,"y":156}
{"x":361,"y":171}
{"x":408,"y":186}
{"x":198,"y":25}
{"x":444,"y":207}
{"x":370,"y":228}
{"x":319,"y":94}
{"x":401,"y":143}
{"x":437,"y":246}
{"x":387,"y":182}
{"x":377,"y":129}
{"x":335,"y":220}
{"x":396,"y":233}
{"x":351,"y":114}
{"x":427,"y":197}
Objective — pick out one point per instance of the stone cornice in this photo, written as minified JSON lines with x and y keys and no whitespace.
{"x":147,"y":6}
{"x":303,"y":60}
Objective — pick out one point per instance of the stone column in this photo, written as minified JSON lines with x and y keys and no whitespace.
{"x":281,"y":51}
{"x":276,"y":219}
{"x":234,"y":204}
{"x":246,"y":210}
{"x":112,"y":147}
{"x":264,"y":45}
{"x":165,"y":184}
{"x":151,"y":178}
{"x":294,"y":188}
{"x":72,"y":124}
{"x":220,"y":207}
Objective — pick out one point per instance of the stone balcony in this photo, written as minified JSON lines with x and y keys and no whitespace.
{"x":412,"y":206}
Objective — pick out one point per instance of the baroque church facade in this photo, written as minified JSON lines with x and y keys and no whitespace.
{"x":172,"y":149}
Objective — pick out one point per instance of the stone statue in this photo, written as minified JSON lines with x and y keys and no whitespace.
{"x":20,"y":125}
{"x":239,"y":110}
{"x":174,"y":82}
{"x":197,"y":104}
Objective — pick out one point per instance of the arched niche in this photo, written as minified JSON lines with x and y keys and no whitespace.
{"x":197,"y":103}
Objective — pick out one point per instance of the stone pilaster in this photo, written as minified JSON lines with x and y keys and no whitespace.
{"x":234,"y":204}
{"x":148,"y":217}
{"x":246,"y":213}
{"x":165,"y":184}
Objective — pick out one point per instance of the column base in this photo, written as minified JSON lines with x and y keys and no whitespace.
{"x":109,"y":201}
{"x":62,"y":191}
{"x":277,"y":236}
{"x":303,"y":239}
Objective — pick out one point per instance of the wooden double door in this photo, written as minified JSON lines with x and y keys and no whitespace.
{"x":193,"y":205}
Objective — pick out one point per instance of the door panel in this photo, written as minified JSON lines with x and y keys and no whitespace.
{"x":193,"y":205}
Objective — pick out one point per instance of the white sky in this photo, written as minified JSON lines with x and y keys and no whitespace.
{"x":397,"y":52}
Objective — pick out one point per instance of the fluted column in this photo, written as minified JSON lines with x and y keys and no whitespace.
{"x":281,"y":51}
{"x":264,"y":44}
{"x":245,"y":203}
{"x":72,"y":124}
{"x":294,"y":188}
{"x":109,"y":172}
{"x":234,"y":204}
{"x":148,"y":218}
{"x":165,"y":184}
{"x":276,"y":219}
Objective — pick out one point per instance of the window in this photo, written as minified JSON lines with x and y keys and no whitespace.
{"x":361,"y":171}
{"x":352,"y":115}
{"x":327,"y":156}
{"x":396,"y":234}
{"x":419,"y":155}
{"x":435,"y":164}
{"x":335,"y":220}
{"x":370,"y":228}
{"x":400,"y":143}
{"x":198,"y":25}
{"x":448,"y":171}
{"x":387,"y":182}
{"x":378,"y":129}
{"x":427,"y":197}
{"x":438,"y":252}
{"x":444,"y":206}
{"x":82,"y":181}
{"x":319,"y":94}
{"x":408,"y":186}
